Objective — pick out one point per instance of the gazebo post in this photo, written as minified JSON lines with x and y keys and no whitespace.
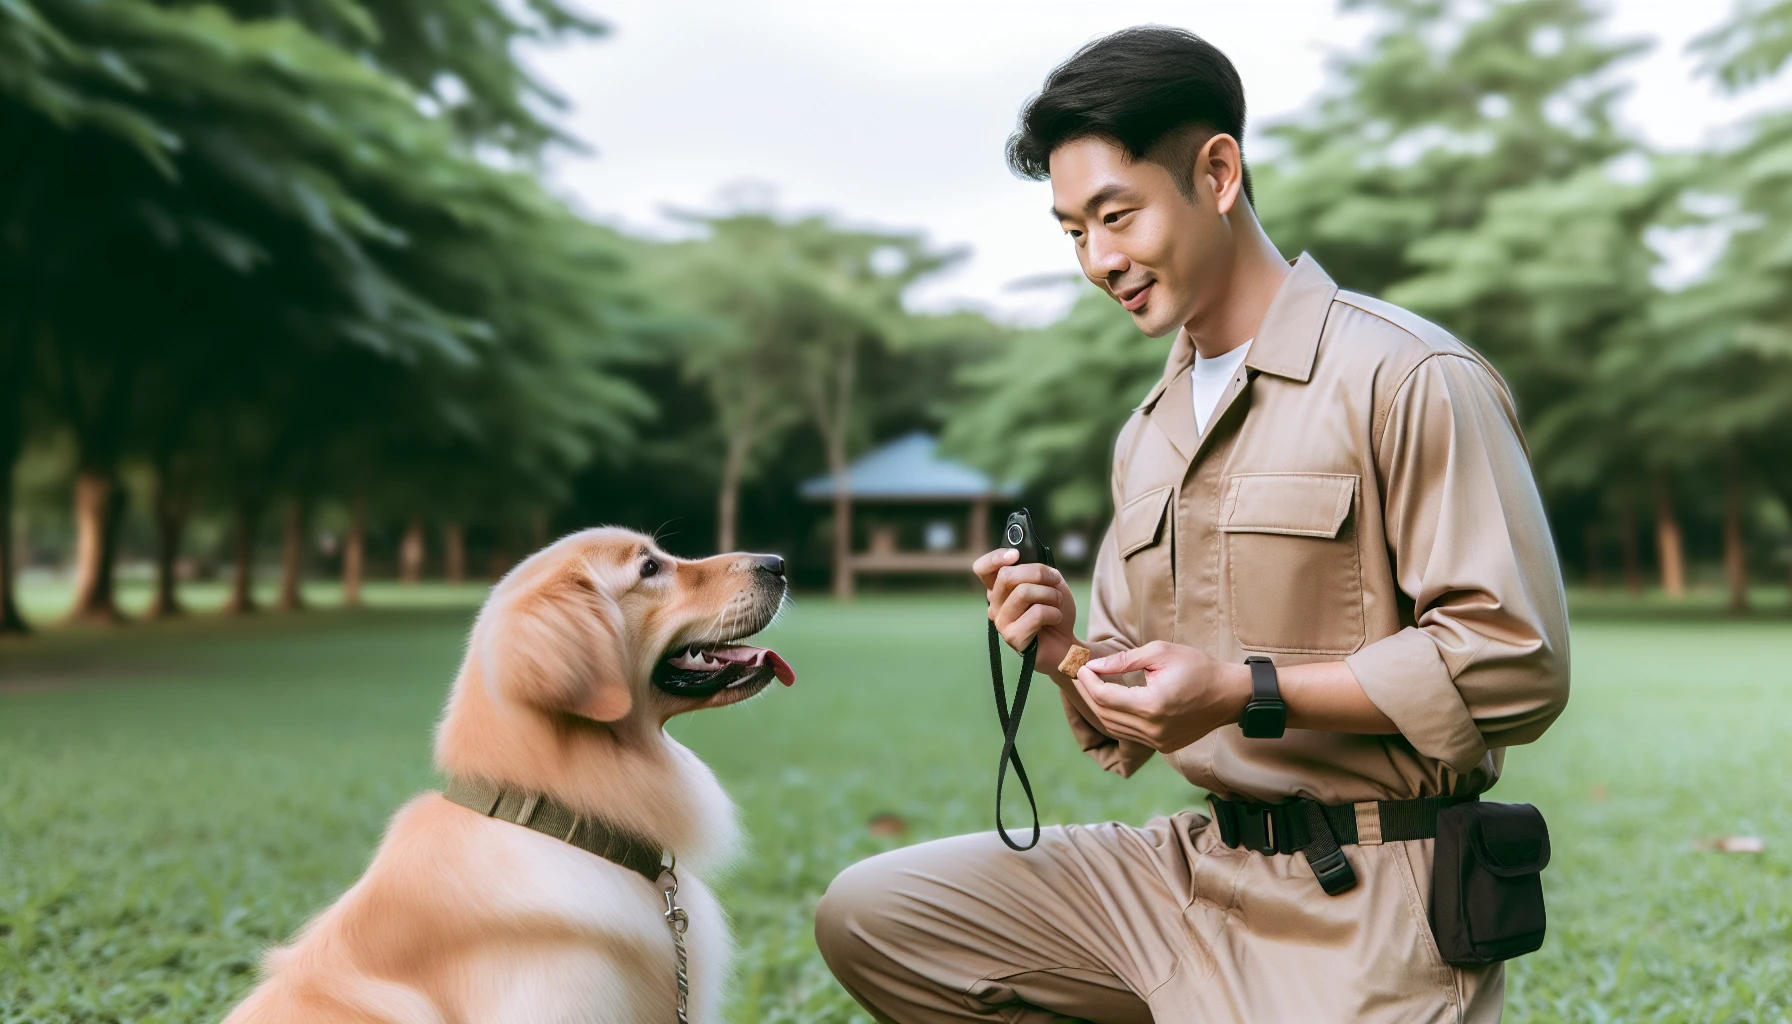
{"x":842,"y":541}
{"x":976,"y":533}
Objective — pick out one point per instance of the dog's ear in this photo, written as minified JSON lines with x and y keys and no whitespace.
{"x":560,"y":649}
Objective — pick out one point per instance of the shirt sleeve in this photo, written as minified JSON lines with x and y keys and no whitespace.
{"x":1112,"y":628}
{"x":1485,"y":663}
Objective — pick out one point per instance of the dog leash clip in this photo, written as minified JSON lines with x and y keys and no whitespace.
{"x":675,"y":915}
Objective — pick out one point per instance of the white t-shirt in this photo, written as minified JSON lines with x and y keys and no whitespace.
{"x":1210,"y":378}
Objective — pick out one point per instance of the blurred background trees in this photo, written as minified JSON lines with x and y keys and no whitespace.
{"x":280,"y":288}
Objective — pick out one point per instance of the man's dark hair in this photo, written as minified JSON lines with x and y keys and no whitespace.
{"x":1160,"y":93}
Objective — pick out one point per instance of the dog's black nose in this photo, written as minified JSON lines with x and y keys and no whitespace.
{"x":770,"y":563}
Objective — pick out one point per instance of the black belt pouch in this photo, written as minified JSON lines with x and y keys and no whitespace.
{"x":1487,"y":886}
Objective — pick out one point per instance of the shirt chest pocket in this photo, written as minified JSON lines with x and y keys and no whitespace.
{"x":1293,"y":570}
{"x":1144,"y":531}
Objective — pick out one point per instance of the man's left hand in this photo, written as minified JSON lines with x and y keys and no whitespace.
{"x":1186,"y":695}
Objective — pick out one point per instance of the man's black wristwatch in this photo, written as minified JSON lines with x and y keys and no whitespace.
{"x":1265,"y":717}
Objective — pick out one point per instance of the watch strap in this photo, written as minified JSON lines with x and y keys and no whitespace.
{"x":1264,"y":685}
{"x":1266,"y":716}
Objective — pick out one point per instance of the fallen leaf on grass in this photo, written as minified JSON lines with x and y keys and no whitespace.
{"x":1733,"y":844}
{"x":1598,"y":793}
{"x":885,"y":823}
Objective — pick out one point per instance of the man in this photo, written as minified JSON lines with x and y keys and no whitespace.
{"x":1320,"y":479}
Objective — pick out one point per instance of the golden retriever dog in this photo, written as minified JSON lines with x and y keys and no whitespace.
{"x":578,"y":659}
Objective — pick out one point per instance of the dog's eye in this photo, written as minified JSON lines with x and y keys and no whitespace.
{"x":650,"y":568}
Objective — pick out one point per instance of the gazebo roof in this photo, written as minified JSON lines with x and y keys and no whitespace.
{"x":908,"y":469}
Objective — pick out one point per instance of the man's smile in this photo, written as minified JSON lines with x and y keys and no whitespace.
{"x":1133,"y":298}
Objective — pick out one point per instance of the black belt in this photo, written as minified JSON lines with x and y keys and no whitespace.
{"x":1318,"y":830}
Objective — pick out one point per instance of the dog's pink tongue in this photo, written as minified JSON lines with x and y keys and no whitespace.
{"x":758,"y":656}
{"x":786,"y":674}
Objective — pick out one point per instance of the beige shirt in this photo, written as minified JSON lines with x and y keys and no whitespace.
{"x":1362,"y":493}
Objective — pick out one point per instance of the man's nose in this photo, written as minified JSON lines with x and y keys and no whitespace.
{"x":1106,"y":261}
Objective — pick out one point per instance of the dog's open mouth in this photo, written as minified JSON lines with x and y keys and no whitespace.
{"x":703,"y":670}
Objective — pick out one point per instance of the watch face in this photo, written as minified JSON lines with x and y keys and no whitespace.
{"x":1265,"y":720}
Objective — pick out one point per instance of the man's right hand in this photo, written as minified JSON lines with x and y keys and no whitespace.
{"x":1027,"y":601}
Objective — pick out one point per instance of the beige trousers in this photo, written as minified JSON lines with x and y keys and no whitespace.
{"x":1161,"y":923}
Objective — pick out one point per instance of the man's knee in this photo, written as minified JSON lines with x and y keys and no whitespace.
{"x":857,"y":901}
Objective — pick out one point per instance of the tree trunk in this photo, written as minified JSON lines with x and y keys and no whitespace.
{"x":832,"y":403}
{"x":292,"y":556}
{"x":454,"y":552}
{"x":1627,"y":543}
{"x":171,"y":523}
{"x":11,"y":621}
{"x":98,"y":501}
{"x":728,"y":501}
{"x":354,"y":553}
{"x":1669,"y":551}
{"x":242,"y":577}
{"x":411,"y":554}
{"x":843,"y":581}
{"x":501,"y":561}
{"x":12,"y":442}
{"x":1595,"y":568}
{"x":538,"y":528}
{"x":1735,"y":555}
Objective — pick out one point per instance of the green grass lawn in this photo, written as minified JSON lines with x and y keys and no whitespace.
{"x":175,"y":797}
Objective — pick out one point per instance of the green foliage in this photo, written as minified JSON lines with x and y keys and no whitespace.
{"x":1722,"y":365}
{"x":786,"y":346}
{"x":306,"y":277}
{"x":1448,"y":105}
{"x":1752,"y":46}
{"x":459,"y":53}
{"x":43,"y":72}
{"x":1417,"y":175}
{"x":195,"y":792}
{"x":1047,"y":408}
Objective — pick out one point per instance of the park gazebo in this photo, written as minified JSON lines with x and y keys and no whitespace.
{"x":905,"y":489}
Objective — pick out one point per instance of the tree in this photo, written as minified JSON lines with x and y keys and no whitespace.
{"x":48,"y":83}
{"x":305,"y":210}
{"x":1732,"y":357}
{"x":1448,"y":106}
{"x":255,"y":194}
{"x":846,"y":293}
{"x":745,"y":350}
{"x":1045,"y":411}
{"x":458,"y":54}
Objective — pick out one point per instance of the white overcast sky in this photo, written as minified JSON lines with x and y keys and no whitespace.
{"x":894,"y":114}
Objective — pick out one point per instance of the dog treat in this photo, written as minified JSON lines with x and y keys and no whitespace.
{"x":1074,"y":661}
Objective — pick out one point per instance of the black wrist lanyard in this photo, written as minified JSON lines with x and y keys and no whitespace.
{"x":1010,"y":723}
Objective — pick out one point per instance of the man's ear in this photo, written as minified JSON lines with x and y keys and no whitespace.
{"x":1221,"y":162}
{"x":560,"y":651}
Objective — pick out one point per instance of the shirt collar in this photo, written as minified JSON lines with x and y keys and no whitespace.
{"x":1288,"y":340}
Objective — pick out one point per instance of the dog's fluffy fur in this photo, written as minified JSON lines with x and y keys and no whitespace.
{"x":463,"y":919}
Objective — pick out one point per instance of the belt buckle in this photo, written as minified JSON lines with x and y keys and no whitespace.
{"x":1333,"y":871}
{"x":1257,"y":828}
{"x":1225,"y":819}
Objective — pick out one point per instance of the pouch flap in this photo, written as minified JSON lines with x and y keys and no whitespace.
{"x":1140,"y":521}
{"x":1295,"y":504}
{"x":1510,"y":839}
